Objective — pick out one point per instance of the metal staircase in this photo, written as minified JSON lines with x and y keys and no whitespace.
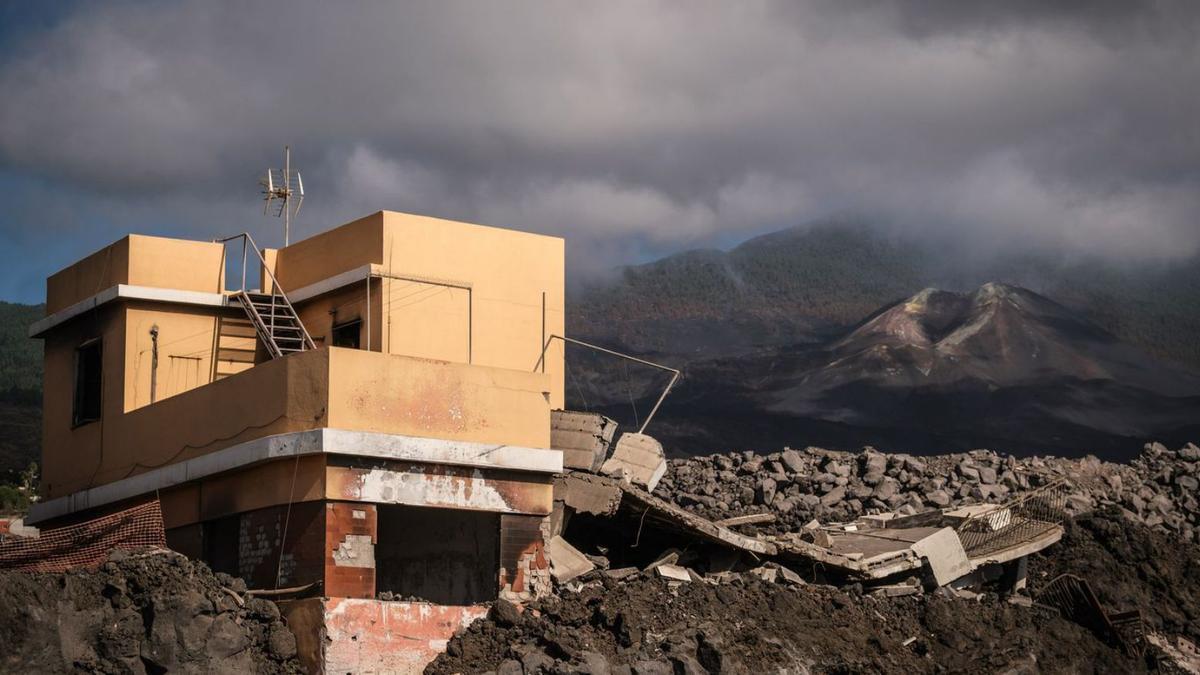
{"x":275,"y":321}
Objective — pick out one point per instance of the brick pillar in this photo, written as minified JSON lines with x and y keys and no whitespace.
{"x":524,"y":568}
{"x":351,"y":532}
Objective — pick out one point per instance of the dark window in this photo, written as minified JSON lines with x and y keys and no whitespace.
{"x":347,"y":334}
{"x":89,"y":360}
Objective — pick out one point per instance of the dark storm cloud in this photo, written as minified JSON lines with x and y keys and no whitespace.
{"x":632,"y":128}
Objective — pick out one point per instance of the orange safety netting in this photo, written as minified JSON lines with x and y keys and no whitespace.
{"x":86,"y":544}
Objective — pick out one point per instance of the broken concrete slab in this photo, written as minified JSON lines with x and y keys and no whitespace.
{"x":585,"y":493}
{"x":605,"y":496}
{"x":637,"y":459}
{"x":943,"y":552}
{"x":749,"y":519}
{"x":673,"y":572}
{"x":767,"y":574}
{"x":621,"y":573}
{"x":566,"y":561}
{"x":669,"y":557}
{"x":895,"y":590}
{"x":583,"y":437}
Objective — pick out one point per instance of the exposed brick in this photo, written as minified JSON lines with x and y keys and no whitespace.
{"x":344,"y":519}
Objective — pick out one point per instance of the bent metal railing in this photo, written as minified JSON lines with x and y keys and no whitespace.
{"x":1073,"y":597}
{"x":1022,"y":519}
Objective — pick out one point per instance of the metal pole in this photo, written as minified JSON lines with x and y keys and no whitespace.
{"x":153,"y":363}
{"x":368,"y":310}
{"x":243,"y":263}
{"x":674,"y":373}
{"x":287,"y":193}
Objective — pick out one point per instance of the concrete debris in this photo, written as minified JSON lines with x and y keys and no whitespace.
{"x":748,"y":519}
{"x":637,"y":459}
{"x":621,"y":572}
{"x":669,"y":557}
{"x":910,"y":586}
{"x":584,"y":438}
{"x":673,"y":572}
{"x":604,"y":496}
{"x":566,"y":561}
{"x":767,"y":574}
{"x":1154,"y":489}
{"x":943,"y":552}
{"x":1177,"y":651}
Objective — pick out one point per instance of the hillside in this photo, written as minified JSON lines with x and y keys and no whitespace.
{"x":20,"y":388}
{"x":806,"y":284}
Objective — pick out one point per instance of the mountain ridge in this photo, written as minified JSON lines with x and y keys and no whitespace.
{"x":808,"y":283}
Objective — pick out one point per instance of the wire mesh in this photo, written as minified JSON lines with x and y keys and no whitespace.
{"x":86,"y":544}
{"x":1022,"y":519}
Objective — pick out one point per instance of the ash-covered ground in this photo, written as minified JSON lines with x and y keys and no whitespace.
{"x":1132,"y":537}
{"x":149,"y":612}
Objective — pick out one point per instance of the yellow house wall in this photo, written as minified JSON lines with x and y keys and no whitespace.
{"x":186,"y":344}
{"x":340,"y":388}
{"x":338,"y":250}
{"x":346,"y":304}
{"x":436,"y":399}
{"x":276,"y":397}
{"x":450,"y":291}
{"x":139,"y":260}
{"x":181,"y":264}
{"x":103,"y":269}
{"x":71,"y":454}
{"x":507,"y":271}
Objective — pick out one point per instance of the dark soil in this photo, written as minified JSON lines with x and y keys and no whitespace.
{"x":152,"y":612}
{"x":643,"y":625}
{"x":1129,"y":567}
{"x":750,"y":626}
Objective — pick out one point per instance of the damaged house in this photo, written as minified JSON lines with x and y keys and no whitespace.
{"x":363,"y":414}
{"x":368,"y":426}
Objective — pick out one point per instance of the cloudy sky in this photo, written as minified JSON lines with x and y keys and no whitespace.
{"x":633,"y":129}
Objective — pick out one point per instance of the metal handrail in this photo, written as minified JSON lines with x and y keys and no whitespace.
{"x":248,"y":243}
{"x":1022,"y":518}
{"x":674,"y":373}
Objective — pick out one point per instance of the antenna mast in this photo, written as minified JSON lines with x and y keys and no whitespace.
{"x":283,"y":185}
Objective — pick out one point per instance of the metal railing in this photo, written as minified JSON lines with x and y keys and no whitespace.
{"x":1019,"y":520}
{"x":248,"y":245}
{"x":1073,"y":597}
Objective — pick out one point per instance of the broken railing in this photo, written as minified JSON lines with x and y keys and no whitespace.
{"x":1022,"y":519}
{"x":1073,"y":597}
{"x":674,"y":373}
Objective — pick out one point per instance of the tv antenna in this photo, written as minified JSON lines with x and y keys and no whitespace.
{"x":283,"y":186}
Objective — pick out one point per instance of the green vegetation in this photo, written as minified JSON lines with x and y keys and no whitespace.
{"x":16,"y":498}
{"x":20,"y":390}
{"x":20,"y":357}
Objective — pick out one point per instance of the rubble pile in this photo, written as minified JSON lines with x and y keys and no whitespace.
{"x":630,"y":621}
{"x":1158,"y":489}
{"x":1129,"y":567}
{"x":145,"y":612}
{"x":650,"y":626}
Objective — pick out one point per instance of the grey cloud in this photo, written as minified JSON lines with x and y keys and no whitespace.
{"x":632,"y":128}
